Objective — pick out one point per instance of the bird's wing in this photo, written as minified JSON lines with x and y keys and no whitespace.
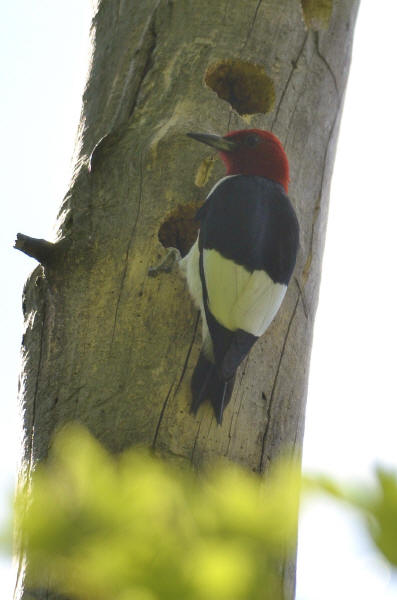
{"x":248,"y":244}
{"x":237,"y":298}
{"x":248,"y":240}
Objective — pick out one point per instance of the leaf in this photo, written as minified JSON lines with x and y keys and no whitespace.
{"x":133,"y":528}
{"x":383,"y":516}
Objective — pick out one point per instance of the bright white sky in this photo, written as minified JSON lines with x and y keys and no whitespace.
{"x":352,"y":405}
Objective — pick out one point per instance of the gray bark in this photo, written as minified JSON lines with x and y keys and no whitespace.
{"x":107,"y":345}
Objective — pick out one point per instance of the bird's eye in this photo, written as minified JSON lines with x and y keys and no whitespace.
{"x":252,"y":139}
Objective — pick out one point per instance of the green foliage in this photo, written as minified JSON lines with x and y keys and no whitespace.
{"x":383,"y":515}
{"x":378,"y":506}
{"x":133,"y":528}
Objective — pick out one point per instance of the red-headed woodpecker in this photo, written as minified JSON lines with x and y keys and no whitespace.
{"x":239,"y":268}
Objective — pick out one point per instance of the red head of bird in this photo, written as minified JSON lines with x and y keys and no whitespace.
{"x":250,"y":152}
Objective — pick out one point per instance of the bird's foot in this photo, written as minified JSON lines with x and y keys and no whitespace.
{"x":172,"y":257}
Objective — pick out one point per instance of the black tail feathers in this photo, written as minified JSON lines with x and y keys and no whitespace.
{"x":207,"y":384}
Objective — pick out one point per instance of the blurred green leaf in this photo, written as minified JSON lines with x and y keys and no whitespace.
{"x":382,"y":522}
{"x":377,"y":505}
{"x":134,"y":528}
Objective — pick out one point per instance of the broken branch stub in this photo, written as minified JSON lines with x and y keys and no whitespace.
{"x":43,"y":251}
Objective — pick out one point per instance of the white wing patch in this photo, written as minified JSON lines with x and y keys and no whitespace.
{"x":239,"y":299}
{"x":190,"y":267}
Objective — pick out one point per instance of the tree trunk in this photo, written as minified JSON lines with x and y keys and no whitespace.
{"x":108,"y":345}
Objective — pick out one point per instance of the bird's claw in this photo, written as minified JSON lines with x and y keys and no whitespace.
{"x":172,"y":257}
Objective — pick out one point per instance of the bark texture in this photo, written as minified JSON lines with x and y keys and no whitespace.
{"x":113,"y":348}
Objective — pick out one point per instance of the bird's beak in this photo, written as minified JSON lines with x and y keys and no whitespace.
{"x":216,"y":141}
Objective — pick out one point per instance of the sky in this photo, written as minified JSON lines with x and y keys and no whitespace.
{"x":352,"y":402}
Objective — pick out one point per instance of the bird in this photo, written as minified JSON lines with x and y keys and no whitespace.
{"x":239,"y":267}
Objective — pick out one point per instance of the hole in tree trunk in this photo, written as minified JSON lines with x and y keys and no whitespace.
{"x":317,"y":13}
{"x":180,"y":228}
{"x":245,"y":85}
